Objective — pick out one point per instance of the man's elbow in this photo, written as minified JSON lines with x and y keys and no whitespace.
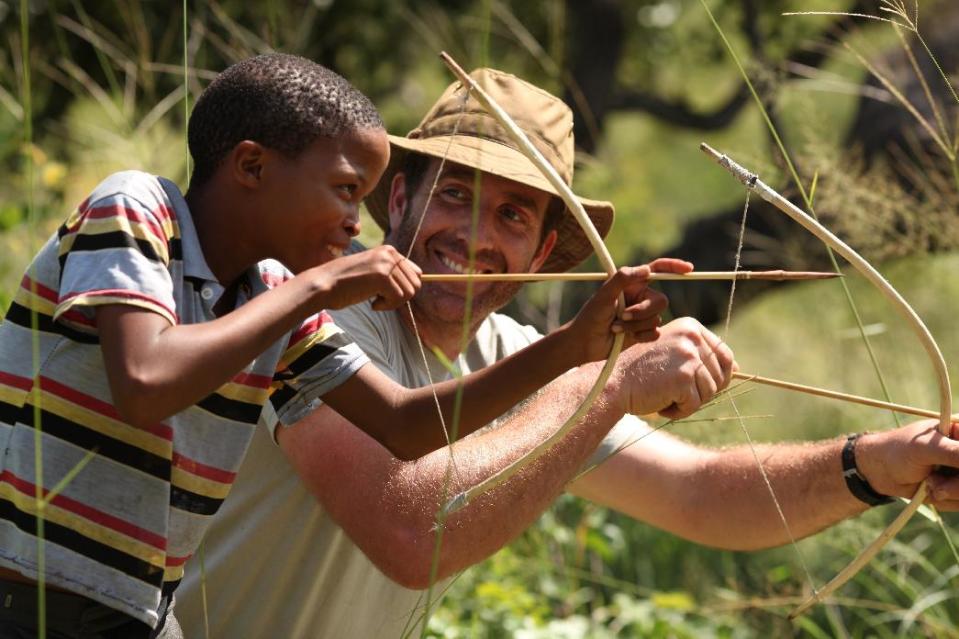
{"x":406,"y":558}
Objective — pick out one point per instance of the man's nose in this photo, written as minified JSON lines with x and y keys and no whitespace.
{"x":483,"y":233}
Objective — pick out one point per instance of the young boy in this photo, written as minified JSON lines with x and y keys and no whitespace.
{"x":165,"y":331}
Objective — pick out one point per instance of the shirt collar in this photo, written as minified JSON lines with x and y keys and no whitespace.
{"x":194,"y":263}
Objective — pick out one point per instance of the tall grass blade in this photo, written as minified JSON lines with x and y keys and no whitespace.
{"x":26,"y":100}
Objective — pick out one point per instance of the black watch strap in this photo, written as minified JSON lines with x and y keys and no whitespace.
{"x":856,"y":483}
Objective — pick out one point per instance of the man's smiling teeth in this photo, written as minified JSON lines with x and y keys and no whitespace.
{"x":459,"y":268}
{"x":335,"y":251}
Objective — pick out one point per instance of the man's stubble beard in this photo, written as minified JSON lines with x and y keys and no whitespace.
{"x":434,"y":303}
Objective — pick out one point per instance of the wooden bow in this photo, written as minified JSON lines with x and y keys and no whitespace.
{"x":595,"y":239}
{"x":752,"y":182}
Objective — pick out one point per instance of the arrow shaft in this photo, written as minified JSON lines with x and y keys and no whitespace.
{"x":655,"y":277}
{"x":822,"y":392}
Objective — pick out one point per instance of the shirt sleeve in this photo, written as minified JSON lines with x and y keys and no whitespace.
{"x":626,"y":432}
{"x":115,"y":249}
{"x":319,"y":357}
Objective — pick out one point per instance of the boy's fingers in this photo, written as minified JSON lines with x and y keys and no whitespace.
{"x":636,"y":325}
{"x":652,"y":305}
{"x":649,"y":335}
{"x":670,"y":265}
{"x":635,"y":281}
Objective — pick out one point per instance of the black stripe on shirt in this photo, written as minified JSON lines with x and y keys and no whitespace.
{"x":20,"y":315}
{"x":112,"y":240}
{"x":9,"y":414}
{"x":193,"y":502}
{"x":282,"y":395}
{"x":175,"y":247}
{"x":318,"y":352}
{"x":233,"y":409}
{"x":87,"y":438}
{"x":75,"y":541}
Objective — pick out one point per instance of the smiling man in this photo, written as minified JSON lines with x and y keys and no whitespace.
{"x":328,"y":535}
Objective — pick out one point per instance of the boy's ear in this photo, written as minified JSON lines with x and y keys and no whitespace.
{"x":397,"y":201}
{"x":246,"y":163}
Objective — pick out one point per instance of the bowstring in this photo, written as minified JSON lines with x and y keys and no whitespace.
{"x":409,"y":303}
{"x":739,"y":418}
{"x":451,"y":470}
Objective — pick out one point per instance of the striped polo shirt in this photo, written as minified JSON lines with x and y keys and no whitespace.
{"x":122,"y":528}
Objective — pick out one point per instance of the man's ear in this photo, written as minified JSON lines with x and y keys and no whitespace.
{"x":545,"y":248}
{"x":397,"y":202}
{"x":246,"y":163}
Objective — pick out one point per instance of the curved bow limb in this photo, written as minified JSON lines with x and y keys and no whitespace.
{"x":573,"y":204}
{"x":752,"y":181}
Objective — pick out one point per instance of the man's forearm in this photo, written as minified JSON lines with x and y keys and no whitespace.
{"x":719,"y":497}
{"x":387,"y":503}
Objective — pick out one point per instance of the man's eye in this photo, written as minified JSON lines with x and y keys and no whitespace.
{"x":349,"y":189}
{"x":511,"y":214}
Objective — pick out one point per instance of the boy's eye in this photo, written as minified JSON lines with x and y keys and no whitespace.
{"x":455,"y":193}
{"x":349,"y":189}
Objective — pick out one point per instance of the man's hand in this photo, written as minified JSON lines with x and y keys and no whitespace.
{"x":596,"y":324}
{"x":894,"y":462}
{"x":382,"y":273}
{"x":676,"y":374}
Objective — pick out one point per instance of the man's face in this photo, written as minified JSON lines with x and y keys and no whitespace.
{"x":315,"y":196}
{"x":507,"y":237}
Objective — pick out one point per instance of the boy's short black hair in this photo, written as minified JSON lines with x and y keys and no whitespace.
{"x":414,"y":165}
{"x":282,"y":101}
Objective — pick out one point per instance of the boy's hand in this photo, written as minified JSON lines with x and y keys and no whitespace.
{"x":381,"y":273}
{"x":596,"y":324}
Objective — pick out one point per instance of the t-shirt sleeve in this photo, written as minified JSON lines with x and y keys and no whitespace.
{"x":369,"y":330}
{"x":319,"y":356}
{"x":115,"y":249}
{"x":626,"y":432}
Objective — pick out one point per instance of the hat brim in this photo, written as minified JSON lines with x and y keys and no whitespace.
{"x":572,"y":245}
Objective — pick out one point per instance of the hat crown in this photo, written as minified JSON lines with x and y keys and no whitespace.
{"x":545,"y":119}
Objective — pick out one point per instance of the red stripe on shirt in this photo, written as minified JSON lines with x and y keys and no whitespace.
{"x":309,"y":327}
{"x":23,"y":383}
{"x":119,"y":292}
{"x":272,"y":280}
{"x":203,"y":470}
{"x":177,"y":561}
{"x":77,"y":317}
{"x":134,"y":215}
{"x":98,"y":406}
{"x":88,"y":512}
{"x":36,"y":287}
{"x":252,"y":380}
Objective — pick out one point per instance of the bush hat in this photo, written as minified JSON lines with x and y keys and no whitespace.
{"x":468,"y":135}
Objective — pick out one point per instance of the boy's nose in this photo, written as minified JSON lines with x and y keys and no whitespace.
{"x":352,"y":227}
